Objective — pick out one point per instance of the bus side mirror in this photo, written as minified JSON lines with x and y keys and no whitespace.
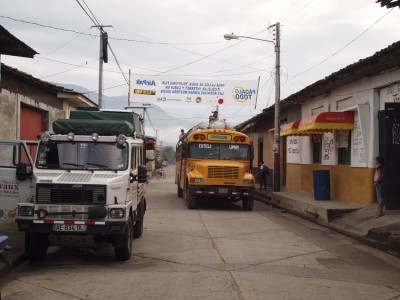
{"x":251,"y":153}
{"x":184,"y":151}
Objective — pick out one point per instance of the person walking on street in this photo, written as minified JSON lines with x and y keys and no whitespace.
{"x":263,"y":172}
{"x":379,"y":178}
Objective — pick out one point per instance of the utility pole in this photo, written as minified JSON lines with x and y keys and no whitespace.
{"x":276,"y":147}
{"x":103,"y":57}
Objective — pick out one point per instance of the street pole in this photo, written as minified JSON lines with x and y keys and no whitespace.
{"x":101,"y":70}
{"x":276,"y":147}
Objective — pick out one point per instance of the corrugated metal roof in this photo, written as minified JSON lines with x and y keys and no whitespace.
{"x":25,"y":77}
{"x":389,"y":3}
{"x":10,"y":45}
{"x":383,"y":60}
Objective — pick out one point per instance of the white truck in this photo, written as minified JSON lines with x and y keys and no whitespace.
{"x":86,"y":185}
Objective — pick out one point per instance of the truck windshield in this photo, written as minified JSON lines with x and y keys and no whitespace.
{"x":219,"y":151}
{"x":82,"y":156}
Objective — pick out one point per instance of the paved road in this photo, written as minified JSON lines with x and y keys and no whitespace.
{"x":214,"y":252}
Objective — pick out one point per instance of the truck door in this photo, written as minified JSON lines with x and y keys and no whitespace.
{"x":135,"y":161}
{"x":16,"y":167}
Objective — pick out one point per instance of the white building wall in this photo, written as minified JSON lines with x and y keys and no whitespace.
{"x":365,"y":97}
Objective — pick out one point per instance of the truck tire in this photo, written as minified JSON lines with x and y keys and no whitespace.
{"x":138,"y":227}
{"x":123,"y":243}
{"x":192,"y":201}
{"x":36,"y":245}
{"x":248,"y":203}
{"x":179,"y":192}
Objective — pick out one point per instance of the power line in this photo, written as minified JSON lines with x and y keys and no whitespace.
{"x":345,"y":46}
{"x":112,"y":38}
{"x":94,"y":22}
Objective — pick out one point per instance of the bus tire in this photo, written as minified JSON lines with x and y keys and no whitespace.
{"x":248,"y":203}
{"x":179,"y":192}
{"x":192,"y":201}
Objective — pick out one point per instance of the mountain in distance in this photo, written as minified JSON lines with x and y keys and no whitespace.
{"x":158,"y":123}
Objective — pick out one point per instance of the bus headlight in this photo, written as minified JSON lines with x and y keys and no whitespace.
{"x":196,"y":180}
{"x":26,"y":211}
{"x":248,"y":181}
{"x":117,"y":213}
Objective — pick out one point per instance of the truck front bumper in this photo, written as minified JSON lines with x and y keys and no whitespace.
{"x":91,"y":227}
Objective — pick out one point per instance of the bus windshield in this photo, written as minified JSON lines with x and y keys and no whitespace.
{"x":82,"y":156}
{"x":218,"y":151}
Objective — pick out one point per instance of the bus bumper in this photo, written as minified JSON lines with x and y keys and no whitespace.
{"x":222,"y":191}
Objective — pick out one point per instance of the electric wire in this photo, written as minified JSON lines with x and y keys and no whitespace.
{"x":345,"y":46}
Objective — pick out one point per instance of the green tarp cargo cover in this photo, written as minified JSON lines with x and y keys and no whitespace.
{"x":130,"y":117}
{"x":87,"y":127}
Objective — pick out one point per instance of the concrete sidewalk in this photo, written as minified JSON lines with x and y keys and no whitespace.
{"x":349,"y":219}
{"x":16,"y":240}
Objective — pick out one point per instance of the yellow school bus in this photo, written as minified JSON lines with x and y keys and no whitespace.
{"x":215,"y":163}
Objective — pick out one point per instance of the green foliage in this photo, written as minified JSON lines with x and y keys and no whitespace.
{"x":168,"y":154}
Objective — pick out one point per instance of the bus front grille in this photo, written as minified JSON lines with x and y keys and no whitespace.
{"x":223,"y":172}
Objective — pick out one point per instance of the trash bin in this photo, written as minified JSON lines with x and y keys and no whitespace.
{"x":322,"y":190}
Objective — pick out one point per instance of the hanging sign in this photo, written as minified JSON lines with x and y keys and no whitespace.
{"x":163,"y":90}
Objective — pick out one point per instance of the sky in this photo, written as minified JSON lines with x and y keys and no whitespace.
{"x":184,"y":39}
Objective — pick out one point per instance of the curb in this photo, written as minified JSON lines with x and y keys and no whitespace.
{"x":380,"y":245}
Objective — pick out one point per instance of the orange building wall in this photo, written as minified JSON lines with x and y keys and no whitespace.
{"x":347,"y":184}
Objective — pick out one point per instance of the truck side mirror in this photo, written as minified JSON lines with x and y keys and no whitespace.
{"x":24,"y":171}
{"x":141,"y":177}
{"x":142,"y":174}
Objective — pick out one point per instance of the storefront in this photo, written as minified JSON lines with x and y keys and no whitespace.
{"x":331,"y":141}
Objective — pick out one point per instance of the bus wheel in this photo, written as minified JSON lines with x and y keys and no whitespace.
{"x":179,"y":192}
{"x":192,"y":201}
{"x":248,"y":203}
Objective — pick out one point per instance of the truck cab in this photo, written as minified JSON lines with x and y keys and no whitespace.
{"x":88,"y":185}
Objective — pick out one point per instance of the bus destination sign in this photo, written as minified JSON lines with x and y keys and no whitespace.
{"x":219,"y":137}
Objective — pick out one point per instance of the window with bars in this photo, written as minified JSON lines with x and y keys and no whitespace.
{"x":317,"y":152}
{"x":344,"y":153}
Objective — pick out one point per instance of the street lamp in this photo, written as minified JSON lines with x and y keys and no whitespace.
{"x":276,"y":146}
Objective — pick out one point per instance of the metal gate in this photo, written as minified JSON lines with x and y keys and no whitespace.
{"x":389,"y":147}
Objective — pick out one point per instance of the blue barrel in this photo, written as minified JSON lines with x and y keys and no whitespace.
{"x":322,"y":188}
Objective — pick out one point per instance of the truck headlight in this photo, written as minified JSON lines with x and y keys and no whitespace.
{"x":26,"y":211}
{"x":117,"y":213}
{"x":248,"y":181}
{"x":121,"y":139}
{"x":45,"y":137}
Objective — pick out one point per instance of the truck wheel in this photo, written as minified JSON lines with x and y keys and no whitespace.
{"x":138,"y":227}
{"x":123,"y":243}
{"x":192,"y":201}
{"x":179,"y":192}
{"x":36,"y":245}
{"x":248,"y":203}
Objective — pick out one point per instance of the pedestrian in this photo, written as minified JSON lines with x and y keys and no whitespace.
{"x":182,"y":134}
{"x":379,"y":178}
{"x":263,"y":173}
{"x":214,"y":116}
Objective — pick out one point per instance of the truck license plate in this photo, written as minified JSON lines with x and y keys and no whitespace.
{"x":223,"y":191}
{"x":69,"y":227}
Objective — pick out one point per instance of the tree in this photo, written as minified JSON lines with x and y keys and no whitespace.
{"x":168,"y":154}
